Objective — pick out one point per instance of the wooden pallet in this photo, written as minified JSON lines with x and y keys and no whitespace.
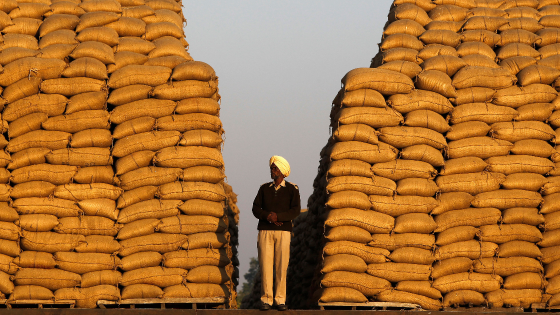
{"x":482,"y":309}
{"x":383,"y":306}
{"x":542,"y":307}
{"x":182,"y":303}
{"x":40,"y":304}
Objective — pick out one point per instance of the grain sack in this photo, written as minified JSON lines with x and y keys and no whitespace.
{"x":371,"y":221}
{"x":95,"y":174}
{"x":385,"y":81}
{"x":533,"y":147}
{"x":50,"y":242}
{"x":134,"y":126}
{"x":129,"y":26}
{"x":409,"y":27}
{"x":52,"y":279}
{"x":141,"y":260}
{"x":517,"y":96}
{"x":207,"y":174}
{"x":394,"y":241}
{"x":399,"y":169}
{"x":507,"y":266}
{"x":515,"y":298}
{"x":371,"y":116}
{"x":406,"y":297}
{"x":168,"y":46}
{"x":456,"y":234}
{"x":516,"y":50}
{"x":364,"y":283}
{"x":359,"y":98}
{"x":196,"y":257}
{"x":519,"y":248}
{"x":510,"y":232}
{"x":401,"y":137}
{"x":550,"y":238}
{"x":442,"y":37}
{"x":26,"y":124}
{"x":134,"y":161}
{"x":136,"y":195}
{"x":348,"y":233}
{"x":420,"y":100}
{"x":436,"y":81}
{"x":125,"y":58}
{"x":149,"y":209}
{"x":551,"y":61}
{"x":87,"y":119}
{"x":12,"y":54}
{"x":208,"y":274}
{"x":79,"y":192}
{"x":101,"y":34}
{"x":352,"y":132}
{"x":37,"y":222}
{"x":191,"y":190}
{"x":54,"y":206}
{"x":86,"y":67}
{"x":129,"y":93}
{"x":451,"y":266}
{"x":196,"y":290}
{"x":179,"y":90}
{"x":412,"y":255}
{"x":414,"y":223}
{"x":71,"y":86}
{"x":397,"y":54}
{"x":370,"y":186}
{"x":434,"y":50}
{"x":369,"y":254}
{"x":504,"y":199}
{"x":56,"y":174}
{"x":102,"y":277}
{"x":519,"y":164}
{"x":482,"y":147}
{"x":479,"y":61}
{"x":468,"y":281}
{"x":515,"y":64}
{"x":21,"y":89}
{"x":30,"y":259}
{"x":463,"y":297}
{"x":524,"y":181}
{"x":202,"y":207}
{"x":424,"y":153}
{"x":139,"y":74}
{"x":152,"y":141}
{"x":395,"y":272}
{"x":524,"y":280}
{"x":150,"y":175}
{"x":141,"y":291}
{"x":399,"y":205}
{"x":537,"y":74}
{"x":18,"y":69}
{"x":446,"y":12}
{"x":31,"y":292}
{"x":99,"y":207}
{"x":417,"y":187}
{"x":419,"y":287}
{"x":484,"y":112}
{"x":148,"y":107}
{"x":361,"y":151}
{"x":528,"y":216}
{"x":159,"y":242}
{"x":409,"y":11}
{"x":472,"y":183}
{"x":467,"y":130}
{"x":426,"y":119}
{"x":552,"y":221}
{"x":86,"y":101}
{"x":476,"y":48}
{"x":81,"y":263}
{"x":32,"y":189}
{"x":96,"y":50}
{"x":550,"y":203}
{"x":80,"y":156}
{"x":87,"y":225}
{"x":515,"y":131}
{"x":463,"y":166}
{"x":188,"y":122}
{"x":407,"y":68}
{"x":495,"y":78}
{"x":469,"y":217}
{"x":158,"y":276}
{"x":138,"y":228}
{"x":182,"y":224}
{"x":343,"y":262}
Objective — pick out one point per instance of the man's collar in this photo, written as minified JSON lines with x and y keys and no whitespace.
{"x":283,"y":183}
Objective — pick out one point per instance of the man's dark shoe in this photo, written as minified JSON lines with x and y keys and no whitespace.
{"x":282,"y":307}
{"x":265,"y":307}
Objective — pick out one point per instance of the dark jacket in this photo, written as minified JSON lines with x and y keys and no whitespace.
{"x":285,"y":202}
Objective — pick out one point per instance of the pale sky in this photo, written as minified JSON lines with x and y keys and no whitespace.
{"x":279,"y":65}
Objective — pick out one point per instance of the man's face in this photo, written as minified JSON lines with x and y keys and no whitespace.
{"x":274,"y":171}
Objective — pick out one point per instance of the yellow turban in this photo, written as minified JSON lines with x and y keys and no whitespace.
{"x":281,"y":163}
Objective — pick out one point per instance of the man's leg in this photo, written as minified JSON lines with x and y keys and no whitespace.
{"x":266,"y":254}
{"x":281,"y":260}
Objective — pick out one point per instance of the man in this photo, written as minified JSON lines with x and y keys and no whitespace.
{"x":277,"y":203}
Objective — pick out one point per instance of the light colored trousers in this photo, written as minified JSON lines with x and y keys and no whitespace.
{"x":274,"y":256}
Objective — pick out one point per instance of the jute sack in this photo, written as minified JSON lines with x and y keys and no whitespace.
{"x":78,"y":192}
{"x":480,"y":61}
{"x":549,"y":36}
{"x":401,"y":137}
{"x":139,"y":74}
{"x":519,"y":248}
{"x":414,"y":223}
{"x":148,"y":107}
{"x":101,"y":34}
{"x":464,"y":165}
{"x":504,"y":199}
{"x":5,"y":192}
{"x":348,"y":233}
{"x":10,"y":248}
{"x":364,"y":283}
{"x":420,"y":100}
{"x":9,"y":231}
{"x":125,"y":58}
{"x":356,"y":150}
{"x":198,"y":105}
{"x":516,"y":50}
{"x":358,"y":98}
{"x":535,"y":111}
{"x":170,"y":62}
{"x":424,"y":4}
{"x":469,"y":216}
{"x":206,"y":240}
{"x":39,"y":138}
{"x":128,"y":26}
{"x":419,"y":287}
{"x":32,"y":189}
{"x":151,"y":175}
{"x":171,"y":46}
{"x":129,"y":93}
{"x":475,"y":48}
{"x":134,"y":44}
{"x":494,"y":78}
{"x":31,"y":292}
{"x":550,"y":238}
{"x":134,"y":161}
{"x":442,"y":37}
{"x":521,"y":130}
{"x":530,"y":216}
{"x":184,"y":224}
{"x":87,"y":225}
{"x":158,"y":276}
{"x":409,"y":11}
{"x":37,"y":222}
{"x":394,"y":241}
{"x":457,"y":234}
{"x":99,"y":207}
{"x":551,"y":221}
{"x":131,"y":197}
{"x":55,"y":174}
{"x":552,"y":269}
{"x":102,"y":277}
{"x":188,"y":122}
{"x":484,"y":112}
{"x":191,"y":190}
{"x":161,"y":29}
{"x":533,"y":147}
{"x":385,"y":81}
{"x":57,"y":51}
{"x":372,"y":116}
{"x":370,"y":186}
{"x":436,"y":81}
{"x":434,"y":50}
{"x":72,"y":86}
{"x":401,"y":41}
{"x":191,"y":70}
{"x":152,"y":141}
{"x":141,"y":260}
{"x":451,"y":266}
{"x":482,"y":147}
{"x":452,"y":201}
{"x":159,"y":242}
{"x":371,"y":221}
{"x":551,"y":61}
{"x":400,"y":169}
{"x":399,"y":205}
{"x":515,"y":298}
{"x":426,"y":119}
{"x":80,"y":156}
{"x":81,"y":263}
{"x":396,"y":54}
{"x":96,"y":50}
{"x":448,"y":13}
{"x":507,"y":266}
{"x":424,"y":153}
{"x":407,"y":68}
{"x":141,"y":291}
{"x":16,"y":70}
{"x":149,"y":209}
{"x":407,"y":297}
{"x":54,"y":206}
{"x":99,"y":244}
{"x":517,"y":36}
{"x":412,"y":255}
{"x":196,"y":290}
{"x":515,"y":64}
{"x":349,"y":167}
{"x":196,"y":257}
{"x":525,"y":280}
{"x":19,"y":127}
{"x":87,"y":119}
{"x":86,"y":67}
{"x":537,"y":74}
{"x":95,"y":174}
{"x":50,"y":242}
{"x":205,"y":138}
{"x":468,"y":281}
{"x":472,"y":183}
{"x":7,"y":213}
{"x":395,"y":272}
{"x":524,"y":181}
{"x":343,"y":262}
{"x":447,"y":64}
{"x":208,"y":274}
{"x":202,"y":207}
{"x":369,"y":254}
{"x":138,"y":228}
{"x":518,"y":96}
{"x":179,"y":90}
{"x":550,"y":203}
{"x":91,"y":138}
{"x":471,"y":249}
{"x":52,"y":279}
{"x":463,"y":297}
{"x":510,"y":232}
{"x":467,"y":130}
{"x":519,"y":164}
{"x":207,"y":174}
{"x":550,"y":254}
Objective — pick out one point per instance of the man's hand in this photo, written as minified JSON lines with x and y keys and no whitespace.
{"x":272,"y":217}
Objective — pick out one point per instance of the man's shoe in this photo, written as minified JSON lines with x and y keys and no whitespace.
{"x":265,"y":307}
{"x":282,"y":307}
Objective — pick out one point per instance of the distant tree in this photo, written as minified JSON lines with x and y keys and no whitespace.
{"x":250,"y":276}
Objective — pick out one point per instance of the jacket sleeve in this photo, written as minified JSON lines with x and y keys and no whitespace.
{"x":295,"y":207}
{"x":258,"y":211}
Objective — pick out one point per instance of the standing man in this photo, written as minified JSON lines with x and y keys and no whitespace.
{"x":277,"y":203}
